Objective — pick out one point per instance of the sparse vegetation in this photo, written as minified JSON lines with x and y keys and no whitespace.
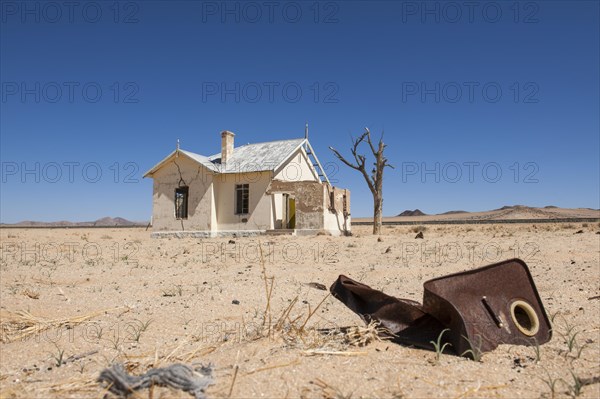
{"x":137,"y":328}
{"x":552,"y":383}
{"x":438,"y":346}
{"x":58,"y":356}
{"x":475,"y":351}
{"x":115,"y":340}
{"x":575,"y":387}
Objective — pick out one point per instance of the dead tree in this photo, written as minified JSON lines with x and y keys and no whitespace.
{"x":375,"y":180}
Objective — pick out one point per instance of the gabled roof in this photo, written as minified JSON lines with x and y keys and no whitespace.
{"x":256,"y":157}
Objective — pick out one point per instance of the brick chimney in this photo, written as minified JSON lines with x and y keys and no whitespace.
{"x":226,"y":145}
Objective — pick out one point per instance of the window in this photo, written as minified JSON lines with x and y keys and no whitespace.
{"x":332,"y":200}
{"x":181,"y":202}
{"x":242,"y":194}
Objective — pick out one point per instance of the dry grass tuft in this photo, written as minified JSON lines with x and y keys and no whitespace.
{"x":294,"y":328}
{"x":22,"y":324}
{"x":419,"y":229}
{"x":362,"y":336}
{"x":329,"y":391}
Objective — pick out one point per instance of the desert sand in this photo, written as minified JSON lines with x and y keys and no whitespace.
{"x":125,"y":297}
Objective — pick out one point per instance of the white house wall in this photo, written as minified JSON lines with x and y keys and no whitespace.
{"x":334,"y":219}
{"x":200,"y":183}
{"x":260,"y":206}
{"x":297,"y":168}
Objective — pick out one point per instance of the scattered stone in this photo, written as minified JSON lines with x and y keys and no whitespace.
{"x":231,"y":241}
{"x":578,"y":232}
{"x":379,"y":239}
{"x":419,"y":235}
{"x":317,"y":286}
{"x":235,"y":302}
{"x":388,"y":250}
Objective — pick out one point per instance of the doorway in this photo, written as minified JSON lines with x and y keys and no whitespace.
{"x":291,"y":213}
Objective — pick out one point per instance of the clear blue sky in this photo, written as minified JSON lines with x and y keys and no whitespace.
{"x":462,"y":91}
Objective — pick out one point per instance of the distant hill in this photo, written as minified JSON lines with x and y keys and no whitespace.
{"x":118,"y":221}
{"x":453,"y":212}
{"x":508,"y":207}
{"x":408,"y":212}
{"x":507,"y":212}
{"x":102,"y":222}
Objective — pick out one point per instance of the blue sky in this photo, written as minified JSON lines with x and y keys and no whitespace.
{"x":483,"y":105}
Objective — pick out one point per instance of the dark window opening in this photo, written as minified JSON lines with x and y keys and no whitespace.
{"x":181,"y":202}
{"x":332,"y":200}
{"x":242,"y":195}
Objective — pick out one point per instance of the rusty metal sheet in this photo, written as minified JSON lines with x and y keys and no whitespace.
{"x":483,"y":308}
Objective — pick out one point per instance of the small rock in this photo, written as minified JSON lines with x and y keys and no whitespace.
{"x":317,"y":286}
{"x":379,"y":239}
{"x":419,"y":235}
{"x":388,"y":250}
{"x":231,"y":241}
{"x":235,"y":302}
{"x":578,"y":232}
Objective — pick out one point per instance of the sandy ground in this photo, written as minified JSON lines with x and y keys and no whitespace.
{"x":162,"y":301}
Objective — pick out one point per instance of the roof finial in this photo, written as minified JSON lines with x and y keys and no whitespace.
{"x":177,"y":144}
{"x":306,"y":131}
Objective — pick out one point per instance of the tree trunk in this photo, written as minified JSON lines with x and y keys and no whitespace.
{"x":377,"y":209}
{"x":375,"y":180}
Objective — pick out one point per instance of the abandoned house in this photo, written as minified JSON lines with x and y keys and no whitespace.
{"x":273,"y":187}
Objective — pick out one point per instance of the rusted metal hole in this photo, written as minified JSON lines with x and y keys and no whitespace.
{"x":525,"y":318}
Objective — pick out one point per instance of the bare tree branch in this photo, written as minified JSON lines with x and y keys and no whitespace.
{"x":375,"y":179}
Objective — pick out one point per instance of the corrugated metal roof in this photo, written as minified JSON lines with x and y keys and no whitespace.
{"x":257,"y":157}
{"x":246,"y":158}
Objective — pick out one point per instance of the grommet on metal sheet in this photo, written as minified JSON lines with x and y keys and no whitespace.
{"x":525,"y":318}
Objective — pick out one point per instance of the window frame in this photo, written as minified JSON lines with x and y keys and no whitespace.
{"x":240,"y":189}
{"x":182,"y":214}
